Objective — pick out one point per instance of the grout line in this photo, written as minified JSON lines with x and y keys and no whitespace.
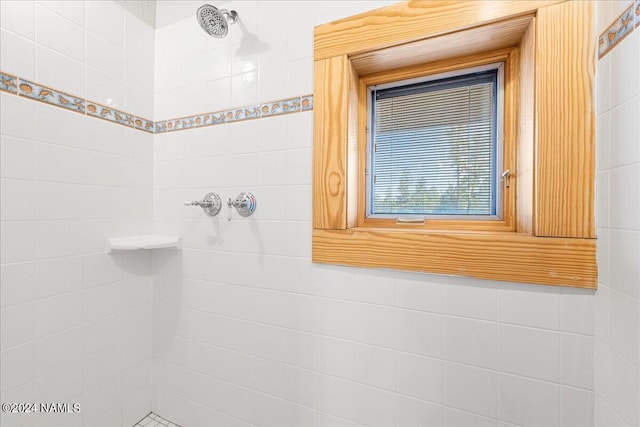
{"x":143,"y":418}
{"x":254,"y":390}
{"x":80,"y":360}
{"x":561,"y":351}
{"x":354,"y":381}
{"x":153,"y":417}
{"x":340,"y":339}
{"x":498,"y":352}
{"x":83,"y":288}
{"x":121,"y":341}
{"x":58,"y":14}
{"x":395,"y":356}
{"x":465,"y":411}
{"x":332,"y":298}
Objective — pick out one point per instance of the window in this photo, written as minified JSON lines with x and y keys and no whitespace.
{"x":434,"y":143}
{"x":434,"y":146}
{"x":535,"y":227}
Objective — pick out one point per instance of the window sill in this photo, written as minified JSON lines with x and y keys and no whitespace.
{"x":506,"y":256}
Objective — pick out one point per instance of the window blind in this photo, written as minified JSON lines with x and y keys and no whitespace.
{"x":433,"y":147}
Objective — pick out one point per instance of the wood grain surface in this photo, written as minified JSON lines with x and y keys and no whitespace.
{"x":523,"y":174}
{"x":565,"y":157}
{"x":330,"y":142}
{"x":407,"y":22}
{"x":486,"y":38}
{"x":498,"y":256}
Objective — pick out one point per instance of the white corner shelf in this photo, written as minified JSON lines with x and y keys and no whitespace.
{"x":143,"y":242}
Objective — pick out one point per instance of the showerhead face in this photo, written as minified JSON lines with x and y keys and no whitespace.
{"x":214,"y":21}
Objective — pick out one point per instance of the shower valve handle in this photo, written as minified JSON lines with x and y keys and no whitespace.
{"x":237,"y":203}
{"x":201,"y":203}
{"x":210,"y":204}
{"x":245,"y":204}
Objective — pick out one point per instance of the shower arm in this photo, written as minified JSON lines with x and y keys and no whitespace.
{"x":230,"y":15}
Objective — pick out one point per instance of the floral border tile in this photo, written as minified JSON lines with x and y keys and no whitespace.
{"x":307,"y":102}
{"x":143,"y":124}
{"x":621,"y":27}
{"x":637,"y":13}
{"x":8,"y":83}
{"x":50,"y":96}
{"x":286,"y":106}
{"x":110,"y":114}
{"x":243,"y":113}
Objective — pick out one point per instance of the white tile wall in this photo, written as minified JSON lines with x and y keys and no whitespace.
{"x":530,"y":352}
{"x":60,"y":71}
{"x":472,"y":389}
{"x":60,"y":34}
{"x":73,"y":318}
{"x":104,"y":55}
{"x":47,"y":41}
{"x":17,"y":16}
{"x":530,"y":402}
{"x":244,"y":313}
{"x":245,"y":329}
{"x":617,"y":324}
{"x":19,"y":52}
{"x":74,"y":11}
{"x":106,"y":19}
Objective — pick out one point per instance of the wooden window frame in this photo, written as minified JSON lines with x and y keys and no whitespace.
{"x":551,"y":237}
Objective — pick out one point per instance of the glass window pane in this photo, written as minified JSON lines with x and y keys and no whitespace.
{"x":434,"y":147}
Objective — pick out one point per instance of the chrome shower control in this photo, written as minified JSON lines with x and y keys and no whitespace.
{"x":245,"y":204}
{"x":210,"y":204}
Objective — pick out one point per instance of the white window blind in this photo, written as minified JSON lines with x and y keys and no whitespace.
{"x":433,"y":147}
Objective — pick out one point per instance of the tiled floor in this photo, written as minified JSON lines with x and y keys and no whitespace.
{"x":153,"y":420}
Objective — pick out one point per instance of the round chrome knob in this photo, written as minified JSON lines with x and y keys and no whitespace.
{"x":212,"y":204}
{"x":245,"y":204}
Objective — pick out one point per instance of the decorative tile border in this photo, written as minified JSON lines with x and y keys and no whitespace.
{"x":107,"y":113}
{"x":144,"y":125}
{"x":50,"y":96}
{"x":181,"y":123}
{"x":160,"y":127}
{"x":8,"y":83}
{"x":244,"y":113}
{"x":286,"y":106}
{"x":210,"y":119}
{"x":28,"y":89}
{"x":238,"y":114}
{"x":619,"y":29}
{"x":307,"y":103}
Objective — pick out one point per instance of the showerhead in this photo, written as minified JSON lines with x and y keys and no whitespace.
{"x":215,"y":21}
